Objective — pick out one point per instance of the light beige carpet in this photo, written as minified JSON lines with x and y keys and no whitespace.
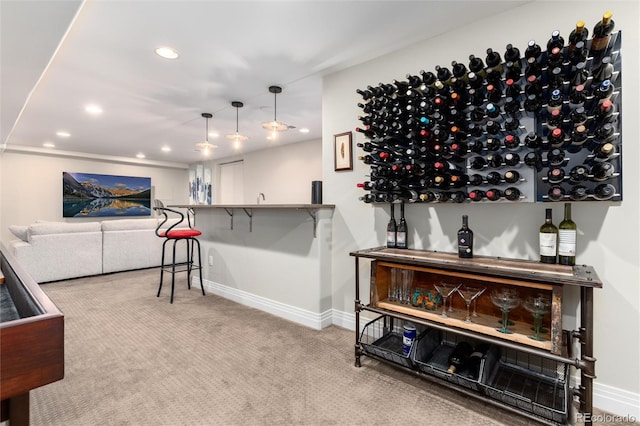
{"x":134,"y":359}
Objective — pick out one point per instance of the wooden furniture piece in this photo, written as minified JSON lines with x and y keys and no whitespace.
{"x":32,"y":336}
{"x":523,"y":375}
{"x":176,"y":232}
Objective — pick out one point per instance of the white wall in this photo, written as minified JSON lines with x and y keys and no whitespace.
{"x":283,"y":173}
{"x":32,"y":185}
{"x":609,"y":235}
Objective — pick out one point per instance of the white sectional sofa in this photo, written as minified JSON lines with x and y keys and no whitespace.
{"x":52,"y":251}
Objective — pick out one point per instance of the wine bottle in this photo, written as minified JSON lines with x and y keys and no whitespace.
{"x":512,"y":194}
{"x":533,"y":50}
{"x":391,"y":230}
{"x":475,"y":179}
{"x":495,"y":160}
{"x":477,"y":163}
{"x":457,"y":197}
{"x":604,"y":152}
{"x":556,"y":40}
{"x":532,"y":159}
{"x":493,"y":178}
{"x":579,"y":135}
{"x":601,"y":35}
{"x":556,"y":138}
{"x":555,"y":175}
{"x":493,"y":194}
{"x":604,"y":191}
{"x":533,"y":140}
{"x":511,"y":124}
{"x":493,"y":144}
{"x":554,"y":120}
{"x":511,"y":176}
{"x":578,"y":193}
{"x":548,"y":239}
{"x":604,"y":71}
{"x":602,"y":171}
{"x":401,"y":231}
{"x":475,"y":360}
{"x":465,"y":239}
{"x":556,"y":156}
{"x":567,"y":232}
{"x":578,"y":174}
{"x":579,"y":33}
{"x":512,"y":159}
{"x":555,"y":193}
{"x":459,"y":356}
{"x":476,"y":195}
{"x":605,"y":133}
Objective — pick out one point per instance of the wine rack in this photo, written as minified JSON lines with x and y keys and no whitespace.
{"x":491,"y":132}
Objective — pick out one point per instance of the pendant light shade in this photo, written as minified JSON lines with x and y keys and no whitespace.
{"x":237,"y":137}
{"x":205,"y":146}
{"x":275,"y":126}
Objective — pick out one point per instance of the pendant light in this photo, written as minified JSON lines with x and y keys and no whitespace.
{"x":275,"y":126}
{"x":205,"y":146}
{"x":237,"y":137}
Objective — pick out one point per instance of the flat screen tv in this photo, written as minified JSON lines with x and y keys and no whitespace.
{"x":92,"y":195}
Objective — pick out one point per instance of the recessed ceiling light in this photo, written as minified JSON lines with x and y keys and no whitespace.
{"x":167,"y":52}
{"x":166,"y":149}
{"x":93,"y":109}
{"x":140,"y":155}
{"x":63,"y":134}
{"x":48,"y":145}
{"x":304,"y":130}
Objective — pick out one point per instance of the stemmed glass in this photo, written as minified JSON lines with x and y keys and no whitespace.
{"x":475,"y":302}
{"x":505,"y":299}
{"x":538,"y":306}
{"x":469,"y":294}
{"x":445,"y":290}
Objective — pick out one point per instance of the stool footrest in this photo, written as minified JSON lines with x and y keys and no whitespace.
{"x":181,"y":267}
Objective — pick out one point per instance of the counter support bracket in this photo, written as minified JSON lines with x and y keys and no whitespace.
{"x":230,"y":213}
{"x":314,"y":215}
{"x":249,"y":213}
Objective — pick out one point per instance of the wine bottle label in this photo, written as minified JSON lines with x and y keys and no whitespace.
{"x":599,"y":43}
{"x":548,"y":244}
{"x":567,"y":242}
{"x":401,"y":239}
{"x":391,"y":239}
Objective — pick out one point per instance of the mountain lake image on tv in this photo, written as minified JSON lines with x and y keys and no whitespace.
{"x":91,"y":195}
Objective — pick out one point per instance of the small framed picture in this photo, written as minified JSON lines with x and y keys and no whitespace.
{"x":343,"y":151}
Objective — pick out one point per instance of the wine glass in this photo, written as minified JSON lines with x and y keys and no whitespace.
{"x":406,"y":282}
{"x":445,"y":290}
{"x":469,"y":294}
{"x":392,"y":293}
{"x":538,"y":306}
{"x":475,"y":302}
{"x":505,"y":299}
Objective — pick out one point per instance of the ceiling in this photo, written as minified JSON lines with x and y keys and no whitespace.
{"x":60,"y":56}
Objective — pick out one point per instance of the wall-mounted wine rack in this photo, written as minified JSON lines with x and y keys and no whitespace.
{"x":541,"y":126}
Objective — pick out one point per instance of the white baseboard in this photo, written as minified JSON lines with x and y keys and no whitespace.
{"x":317,"y":321}
{"x":617,"y":401}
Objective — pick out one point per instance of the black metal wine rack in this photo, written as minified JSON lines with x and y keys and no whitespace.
{"x":424,"y":138}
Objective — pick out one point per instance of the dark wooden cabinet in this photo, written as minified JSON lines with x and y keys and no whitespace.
{"x":521,"y":374}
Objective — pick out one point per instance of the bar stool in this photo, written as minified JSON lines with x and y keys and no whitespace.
{"x":182,"y":234}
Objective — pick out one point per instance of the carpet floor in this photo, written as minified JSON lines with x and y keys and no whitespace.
{"x":134,"y":359}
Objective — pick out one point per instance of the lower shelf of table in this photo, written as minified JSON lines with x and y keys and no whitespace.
{"x":530,"y":384}
{"x":484,"y":324}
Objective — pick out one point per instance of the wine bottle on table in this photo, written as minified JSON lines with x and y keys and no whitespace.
{"x":459,"y":356}
{"x":401,"y":231}
{"x":391,"y":230}
{"x":567,"y":232}
{"x":548,"y":239}
{"x":465,"y":239}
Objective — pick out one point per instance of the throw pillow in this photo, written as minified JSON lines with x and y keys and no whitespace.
{"x":19,"y":231}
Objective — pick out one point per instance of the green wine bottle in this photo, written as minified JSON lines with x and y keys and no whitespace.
{"x":548,"y":239}
{"x":567,"y":232}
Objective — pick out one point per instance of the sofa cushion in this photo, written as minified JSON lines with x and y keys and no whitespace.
{"x":63,"y":228}
{"x":129,"y":224}
{"x":19,"y":231}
